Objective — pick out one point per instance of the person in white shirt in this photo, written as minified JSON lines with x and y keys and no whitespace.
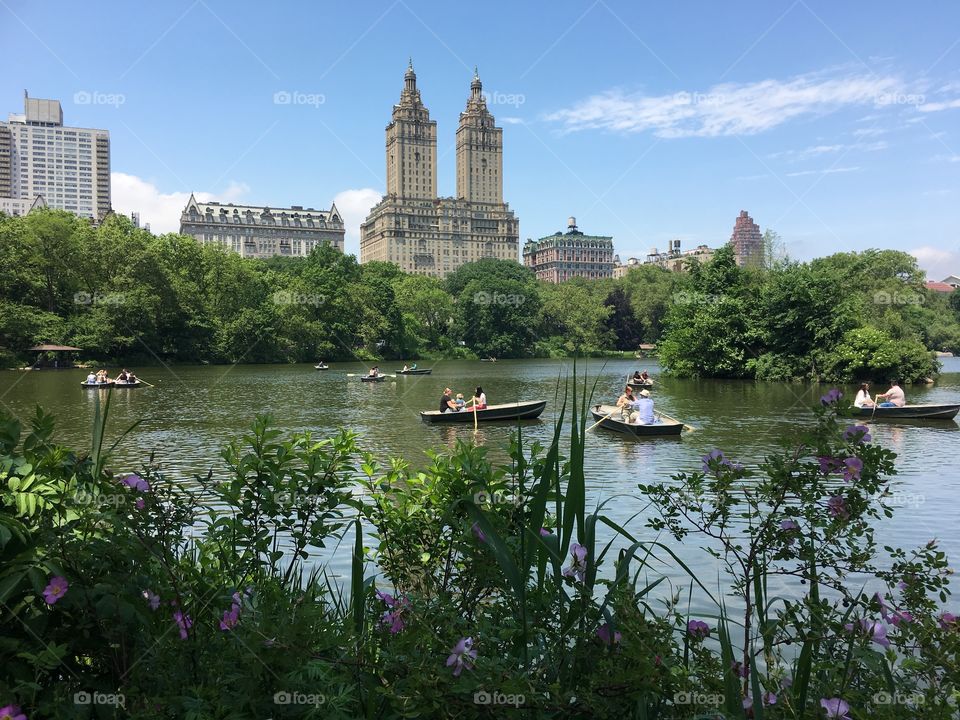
{"x":91,"y":378}
{"x":863,"y":397}
{"x":643,"y":406}
{"x":479,"y":399}
{"x":894,"y":396}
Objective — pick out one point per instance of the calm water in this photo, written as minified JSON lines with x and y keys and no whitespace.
{"x":193,"y":411}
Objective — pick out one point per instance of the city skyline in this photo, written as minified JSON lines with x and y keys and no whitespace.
{"x":831,"y":127}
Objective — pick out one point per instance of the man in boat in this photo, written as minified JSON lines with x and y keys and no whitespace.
{"x":413,"y":367}
{"x":644,"y":376}
{"x":643,"y":409}
{"x":625,"y":403}
{"x":893,"y":397}
{"x":637,"y":377}
{"x":124,"y":376}
{"x":447,"y":403}
{"x":374,"y":371}
{"x":92,"y":378}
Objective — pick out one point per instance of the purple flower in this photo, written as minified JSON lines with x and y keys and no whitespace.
{"x":829,"y":464}
{"x":603,"y":632}
{"x":789,"y":526}
{"x":136,"y":482}
{"x":714,"y":461}
{"x":836,"y":708}
{"x":184,"y":622}
{"x":747,"y":702}
{"x":901,"y":617}
{"x":857,"y":433}
{"x":948,"y":620}
{"x":578,"y":562}
{"x":769,"y":698}
{"x":140,"y":504}
{"x":712,"y":456}
{"x":545,"y":532}
{"x":152,"y":599}
{"x":831,"y":397}
{"x":55,"y":590}
{"x":877,"y":632}
{"x":478,"y":533}
{"x":740,"y":670}
{"x":884,"y":608}
{"x":12,"y":712}
{"x":231,"y":618}
{"x":852,"y":468}
{"x":393,"y":618}
{"x":462,"y":656}
{"x":387,"y":598}
{"x":838,"y":507}
{"x":698,"y":628}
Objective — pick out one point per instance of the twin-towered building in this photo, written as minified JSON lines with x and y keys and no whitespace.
{"x":414,"y":228}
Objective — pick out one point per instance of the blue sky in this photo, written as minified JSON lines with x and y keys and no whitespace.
{"x":837,"y":125}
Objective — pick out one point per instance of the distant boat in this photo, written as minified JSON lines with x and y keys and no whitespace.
{"x":508,"y":411}
{"x":658,"y":429}
{"x":490,"y":359}
{"x":321,"y":367}
{"x":112,"y":384}
{"x":913,"y":412}
{"x":94,"y":385}
{"x":416,"y":371}
{"x":373,"y":378}
{"x":640,"y":384}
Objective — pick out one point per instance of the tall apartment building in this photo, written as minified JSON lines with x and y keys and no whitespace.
{"x":68,"y":167}
{"x":747,"y":241}
{"x":414,"y":228}
{"x":563,"y":256}
{"x":262,"y":232}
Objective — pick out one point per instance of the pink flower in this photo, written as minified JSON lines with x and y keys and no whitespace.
{"x":698,"y":628}
{"x":184,"y":622}
{"x":603,"y":632}
{"x":136,"y":482}
{"x":231,"y":618}
{"x":152,"y":600}
{"x":836,"y":708}
{"x":578,"y":562}
{"x":901,"y":616}
{"x":55,"y":590}
{"x":11,"y":712}
{"x":462,"y":656}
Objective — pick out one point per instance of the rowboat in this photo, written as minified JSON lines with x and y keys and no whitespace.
{"x":488,"y":359}
{"x":914,"y":412}
{"x":321,"y":367}
{"x":507,"y":411}
{"x":640,"y":384}
{"x":425,"y":371}
{"x":659,"y":429}
{"x":111,"y":384}
{"x":372,"y":378}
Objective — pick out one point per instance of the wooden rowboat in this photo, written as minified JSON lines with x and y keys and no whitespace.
{"x":640,"y":384}
{"x":425,"y":371}
{"x":615,"y":423}
{"x":373,"y":378}
{"x":321,"y":367}
{"x":911,"y":412}
{"x":507,"y":411}
{"x":111,"y":384}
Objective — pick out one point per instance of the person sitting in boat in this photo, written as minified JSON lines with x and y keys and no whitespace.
{"x":480,"y":398}
{"x":644,"y":376}
{"x":92,"y":378}
{"x":625,"y":403}
{"x":637,"y":377}
{"x":460,"y":401}
{"x":101,"y":376}
{"x":893,"y":397}
{"x":405,"y":368}
{"x":374,"y":371}
{"x":123,"y":377}
{"x":863,"y":397}
{"x":413,"y":367}
{"x":131,"y":378}
{"x":643,"y":409}
{"x":447,"y":403}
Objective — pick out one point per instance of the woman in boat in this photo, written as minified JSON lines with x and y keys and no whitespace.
{"x":479,"y":399}
{"x":374,"y":371}
{"x":123,"y":377}
{"x":637,"y":377}
{"x":863,"y":396}
{"x":447,"y":403}
{"x":625,"y":403}
{"x":101,"y":376}
{"x":405,"y":368}
{"x":644,"y":376}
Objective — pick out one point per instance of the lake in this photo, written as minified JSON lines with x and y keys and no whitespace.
{"x":192,"y":412}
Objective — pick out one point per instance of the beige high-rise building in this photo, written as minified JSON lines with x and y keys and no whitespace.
{"x":68,"y":167}
{"x":417,"y":230}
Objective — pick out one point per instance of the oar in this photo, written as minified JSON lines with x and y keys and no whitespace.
{"x":601,"y":420}
{"x":875,"y":398}
{"x":689,"y":428}
{"x":474,"y":414}
{"x":146,"y":383}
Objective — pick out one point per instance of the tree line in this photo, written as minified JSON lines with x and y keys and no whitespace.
{"x":122,"y":293}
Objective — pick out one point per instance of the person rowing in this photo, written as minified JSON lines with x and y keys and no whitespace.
{"x":643,"y":408}
{"x":447,"y":403}
{"x":374,"y":371}
{"x":91,"y":378}
{"x":893,"y":397}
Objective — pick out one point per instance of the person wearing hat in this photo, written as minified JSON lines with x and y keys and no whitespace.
{"x":643,"y":407}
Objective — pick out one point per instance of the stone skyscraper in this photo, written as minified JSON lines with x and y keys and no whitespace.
{"x":747,"y":241}
{"x":423,"y":233}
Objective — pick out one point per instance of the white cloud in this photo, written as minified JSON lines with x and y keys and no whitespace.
{"x":936,"y":261}
{"x":511,"y":120}
{"x":130,"y":193}
{"x":826,"y":171}
{"x":869,"y":132}
{"x":817,"y":150}
{"x":726,"y":109}
{"x":938,"y":106}
{"x":354,"y":206}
